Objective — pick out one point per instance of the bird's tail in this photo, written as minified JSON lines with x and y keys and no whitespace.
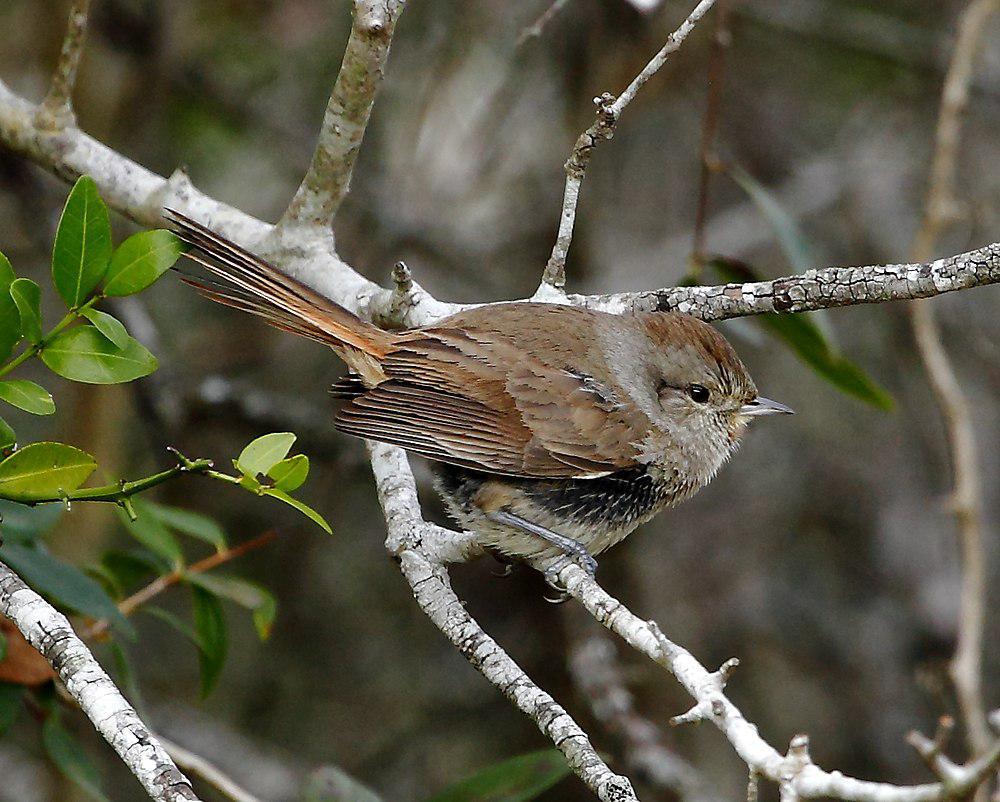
{"x":246,"y":282}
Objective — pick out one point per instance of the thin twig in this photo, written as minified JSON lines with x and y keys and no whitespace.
{"x":534,"y":30}
{"x":56,"y":110}
{"x":609,"y":110}
{"x":130,"y":604}
{"x":966,"y":501}
{"x":207,"y":772}
{"x":329,"y":175}
{"x":721,"y":39}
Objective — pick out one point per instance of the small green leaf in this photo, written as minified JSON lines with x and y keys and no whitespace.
{"x":129,"y":568}
{"x":28,"y":396}
{"x":69,"y":757}
{"x":10,"y":321}
{"x":82,"y":248}
{"x":189,"y":523}
{"x":141,"y":260}
{"x":43,"y":470}
{"x":27,"y":297}
{"x":3,"y":647}
{"x":110,"y":326}
{"x":265,"y":452}
{"x":148,"y":530}
{"x":289,"y":474}
{"x":8,"y":437}
{"x":250,"y":595}
{"x":807,"y":340}
{"x":83,"y":354}
{"x":11,"y":702}
{"x":65,"y":584}
{"x":518,"y":779}
{"x":210,"y":625}
{"x":305,"y":509}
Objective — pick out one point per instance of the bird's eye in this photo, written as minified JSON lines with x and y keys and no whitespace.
{"x":698,"y":393}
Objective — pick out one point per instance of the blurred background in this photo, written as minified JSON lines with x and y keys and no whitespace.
{"x":823,"y":557}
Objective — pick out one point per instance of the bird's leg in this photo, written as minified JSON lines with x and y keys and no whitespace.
{"x":572,"y":549}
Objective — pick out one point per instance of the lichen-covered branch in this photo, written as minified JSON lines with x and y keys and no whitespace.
{"x":609,"y":110}
{"x":814,"y":289}
{"x":422,"y":550}
{"x":56,"y":111}
{"x":966,"y":501}
{"x":329,"y":175}
{"x":50,"y":633}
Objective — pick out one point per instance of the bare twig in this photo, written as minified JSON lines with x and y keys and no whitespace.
{"x":795,"y":773}
{"x":966,"y":501}
{"x":721,"y":39}
{"x":148,"y":592}
{"x":329,"y":175}
{"x":534,"y":30}
{"x":609,"y":110}
{"x":56,"y":111}
{"x":207,"y":772}
{"x":50,"y":633}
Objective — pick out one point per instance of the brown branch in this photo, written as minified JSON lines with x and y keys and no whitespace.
{"x":721,"y":39}
{"x":56,"y":110}
{"x":329,"y":175}
{"x":609,"y":110}
{"x":145,"y":594}
{"x":966,"y":500}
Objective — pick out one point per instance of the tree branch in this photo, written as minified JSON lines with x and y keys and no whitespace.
{"x":329,"y":175}
{"x":56,"y":111}
{"x":966,"y":500}
{"x":422,"y":549}
{"x":609,"y":110}
{"x":46,"y":629}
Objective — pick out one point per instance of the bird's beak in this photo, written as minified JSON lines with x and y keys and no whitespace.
{"x":765,"y":406}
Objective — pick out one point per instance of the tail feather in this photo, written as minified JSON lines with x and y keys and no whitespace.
{"x":253,"y":285}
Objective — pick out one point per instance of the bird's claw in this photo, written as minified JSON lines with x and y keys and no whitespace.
{"x":581,"y":557}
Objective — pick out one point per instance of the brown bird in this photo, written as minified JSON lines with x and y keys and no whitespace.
{"x":554,"y":430}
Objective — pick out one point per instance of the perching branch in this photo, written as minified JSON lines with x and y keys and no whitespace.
{"x":329,"y":175}
{"x":56,"y":111}
{"x":609,"y":110}
{"x":966,"y":500}
{"x":50,"y":633}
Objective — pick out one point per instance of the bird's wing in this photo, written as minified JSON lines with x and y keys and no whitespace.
{"x":474,"y":399}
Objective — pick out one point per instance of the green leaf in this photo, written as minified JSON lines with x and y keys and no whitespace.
{"x":807,"y":340}
{"x":305,"y":509}
{"x":28,"y":396}
{"x":110,"y":326}
{"x":128,"y":568}
{"x":210,"y":624}
{"x":149,"y":531}
{"x":518,"y":779}
{"x":27,"y":297}
{"x":141,"y":260}
{"x":11,"y":702}
{"x":250,"y":595}
{"x":20,"y":523}
{"x":83,"y":243}
{"x":43,"y":470}
{"x":10,"y":321}
{"x":189,"y":523}
{"x":8,"y":437}
{"x":173,"y":621}
{"x":289,"y":474}
{"x":83,"y":354}
{"x":265,"y":452}
{"x":65,"y":584}
{"x":68,"y":755}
